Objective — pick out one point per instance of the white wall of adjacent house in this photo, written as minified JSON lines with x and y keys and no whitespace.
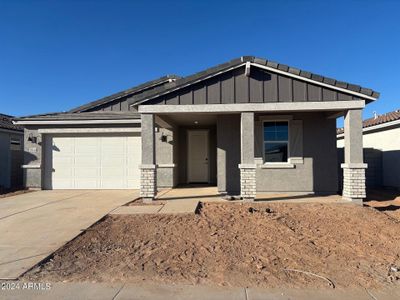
{"x":92,"y":162}
{"x":386,"y":140}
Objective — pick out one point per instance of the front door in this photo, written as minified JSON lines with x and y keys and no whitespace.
{"x":198,"y":165}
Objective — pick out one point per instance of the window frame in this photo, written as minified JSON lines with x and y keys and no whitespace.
{"x":288,"y":141}
{"x":15,"y":144}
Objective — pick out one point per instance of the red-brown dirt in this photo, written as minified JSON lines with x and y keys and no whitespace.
{"x":236,"y":244}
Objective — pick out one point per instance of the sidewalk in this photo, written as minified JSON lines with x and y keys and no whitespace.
{"x":120,"y":291}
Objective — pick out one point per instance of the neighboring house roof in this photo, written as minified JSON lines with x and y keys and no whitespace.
{"x":95,"y":115}
{"x":185,"y":81}
{"x":6,"y":123}
{"x":134,"y":90}
{"x":378,"y":120}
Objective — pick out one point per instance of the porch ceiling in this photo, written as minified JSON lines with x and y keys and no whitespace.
{"x":190,"y":119}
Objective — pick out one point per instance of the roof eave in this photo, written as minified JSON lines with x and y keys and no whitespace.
{"x":125,"y":93}
{"x":276,"y":68}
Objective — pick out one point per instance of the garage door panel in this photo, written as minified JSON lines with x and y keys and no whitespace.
{"x":132,"y":172}
{"x":63,"y":172}
{"x":88,"y":160}
{"x":112,"y":172}
{"x":116,"y":151}
{"x":111,"y":183}
{"x":95,"y":162}
{"x":86,"y":184}
{"x":63,"y":161}
{"x":62,"y":183}
{"x":81,"y":173}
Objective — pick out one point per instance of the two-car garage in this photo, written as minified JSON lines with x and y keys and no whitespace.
{"x":92,"y":161}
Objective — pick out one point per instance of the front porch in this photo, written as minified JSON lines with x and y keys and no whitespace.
{"x":207,"y":194}
{"x":271,"y":129}
{"x":253,"y":155}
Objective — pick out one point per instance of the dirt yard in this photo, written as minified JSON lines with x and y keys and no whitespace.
{"x":386,"y":201}
{"x":251,"y":244}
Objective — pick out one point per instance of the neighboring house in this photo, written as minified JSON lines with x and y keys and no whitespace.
{"x":381,"y":135}
{"x":248,"y":125}
{"x":11,"y":153}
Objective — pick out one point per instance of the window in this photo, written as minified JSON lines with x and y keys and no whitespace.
{"x":15,"y":144}
{"x":276,"y":141}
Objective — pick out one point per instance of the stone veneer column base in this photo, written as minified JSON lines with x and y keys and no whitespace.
{"x":354,"y":182}
{"x":148,"y":182}
{"x":248,"y":181}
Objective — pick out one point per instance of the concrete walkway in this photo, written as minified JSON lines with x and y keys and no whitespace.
{"x":99,"y":291}
{"x":34,"y":225}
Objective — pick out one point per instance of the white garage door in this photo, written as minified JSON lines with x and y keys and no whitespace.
{"x":93,"y":162}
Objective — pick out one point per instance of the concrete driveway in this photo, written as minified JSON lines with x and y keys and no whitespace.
{"x":34,"y":225}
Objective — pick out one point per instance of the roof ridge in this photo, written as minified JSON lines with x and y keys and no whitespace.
{"x":181,"y":82}
{"x":120,"y":94}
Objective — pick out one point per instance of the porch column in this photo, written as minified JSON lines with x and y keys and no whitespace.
{"x":354,"y":166}
{"x":247,"y":165}
{"x":148,"y":171}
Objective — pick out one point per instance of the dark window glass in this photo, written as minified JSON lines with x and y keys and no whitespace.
{"x":276,"y":136}
{"x":276,"y":152}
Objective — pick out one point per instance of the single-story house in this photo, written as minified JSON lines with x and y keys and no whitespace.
{"x":248,"y":125}
{"x":11,"y":153}
{"x":381,"y":134}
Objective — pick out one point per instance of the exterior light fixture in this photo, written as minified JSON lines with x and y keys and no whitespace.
{"x":32,"y":138}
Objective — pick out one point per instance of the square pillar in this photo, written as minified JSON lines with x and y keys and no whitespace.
{"x":148,"y":169}
{"x":247,"y":166}
{"x":354,"y":166}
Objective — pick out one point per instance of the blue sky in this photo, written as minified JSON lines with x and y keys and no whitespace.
{"x":55,"y":55}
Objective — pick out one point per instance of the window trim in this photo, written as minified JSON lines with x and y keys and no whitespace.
{"x":15,"y":144}
{"x":287,"y":120}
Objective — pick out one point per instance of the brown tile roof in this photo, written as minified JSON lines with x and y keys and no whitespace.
{"x":377,"y":120}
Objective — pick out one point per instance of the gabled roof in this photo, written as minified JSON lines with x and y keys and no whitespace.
{"x":185,"y":81}
{"x":378,"y":120}
{"x":95,"y":115}
{"x":131,"y":91}
{"x":6,"y":123}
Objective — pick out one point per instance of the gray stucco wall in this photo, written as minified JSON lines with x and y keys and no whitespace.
{"x":32,"y":172}
{"x":228,"y":153}
{"x":5,"y":160}
{"x":317,"y":173}
{"x":166,"y":157}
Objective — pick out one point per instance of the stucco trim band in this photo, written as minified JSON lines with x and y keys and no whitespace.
{"x":166,"y":165}
{"x":253,"y":107}
{"x":247,"y":166}
{"x":354,"y":166}
{"x":89,"y":130}
{"x":31,"y":166}
{"x":277,"y":166}
{"x":70,"y":122}
{"x":147,"y":166}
